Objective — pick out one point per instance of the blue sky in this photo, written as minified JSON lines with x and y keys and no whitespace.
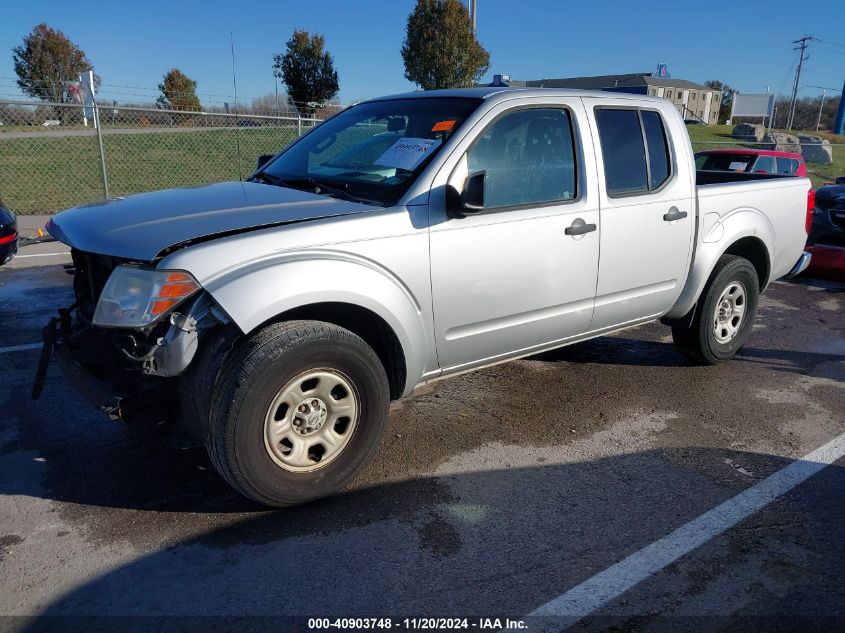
{"x":747,"y":45}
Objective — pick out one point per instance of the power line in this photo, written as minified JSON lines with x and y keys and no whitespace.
{"x":829,"y":43}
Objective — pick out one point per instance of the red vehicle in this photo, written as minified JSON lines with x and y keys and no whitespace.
{"x":751,"y":161}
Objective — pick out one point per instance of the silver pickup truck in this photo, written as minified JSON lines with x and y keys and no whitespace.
{"x":404,"y":240}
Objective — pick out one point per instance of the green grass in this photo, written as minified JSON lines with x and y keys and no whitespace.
{"x":47,"y":174}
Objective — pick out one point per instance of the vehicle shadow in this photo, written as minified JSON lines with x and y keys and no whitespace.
{"x":644,"y":353}
{"x":475,"y":541}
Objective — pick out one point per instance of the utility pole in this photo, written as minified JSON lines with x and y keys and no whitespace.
{"x":801,"y":45}
{"x":472,"y":14}
{"x":821,"y":107}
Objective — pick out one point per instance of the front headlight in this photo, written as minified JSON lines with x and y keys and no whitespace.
{"x":135,"y":297}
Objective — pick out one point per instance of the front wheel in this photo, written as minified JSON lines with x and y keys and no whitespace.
{"x":300,"y":407}
{"x":725,"y":316}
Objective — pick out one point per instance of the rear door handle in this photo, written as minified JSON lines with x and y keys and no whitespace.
{"x":674,"y":214}
{"x":579,"y":227}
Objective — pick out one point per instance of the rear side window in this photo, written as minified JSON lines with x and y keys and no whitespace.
{"x":658,"y":149}
{"x":625,"y":169}
{"x":786,"y":165}
{"x":635,"y":150}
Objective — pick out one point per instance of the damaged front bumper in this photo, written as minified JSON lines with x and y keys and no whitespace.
{"x":126,"y":373}
{"x":57,"y":344}
{"x":99,"y":393}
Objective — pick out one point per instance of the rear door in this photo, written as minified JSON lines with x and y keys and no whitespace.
{"x":647,"y":212}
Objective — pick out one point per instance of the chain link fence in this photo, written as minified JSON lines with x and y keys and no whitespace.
{"x":51,"y":159}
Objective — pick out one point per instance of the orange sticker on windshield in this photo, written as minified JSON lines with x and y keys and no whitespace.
{"x":443,"y":126}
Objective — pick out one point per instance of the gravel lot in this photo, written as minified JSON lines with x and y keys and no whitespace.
{"x":494,"y":492}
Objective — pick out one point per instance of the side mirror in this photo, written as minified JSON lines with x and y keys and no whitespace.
{"x":263,"y":160}
{"x":471,"y":200}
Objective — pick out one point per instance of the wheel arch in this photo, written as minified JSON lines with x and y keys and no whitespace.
{"x":355,"y":294}
{"x":747,"y":234}
{"x":754,"y":250}
{"x":363,"y":322}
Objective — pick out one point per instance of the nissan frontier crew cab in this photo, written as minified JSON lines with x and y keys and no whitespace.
{"x":404,"y":240}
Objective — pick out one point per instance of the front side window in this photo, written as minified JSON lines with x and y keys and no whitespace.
{"x":528,"y":157}
{"x":630,"y":165}
{"x":764,"y":165}
{"x":371,"y":152}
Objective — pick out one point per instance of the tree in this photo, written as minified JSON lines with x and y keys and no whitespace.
{"x":307,"y":70}
{"x":47,"y":62}
{"x":727,"y":97}
{"x":178,"y":92}
{"x":271,"y":104}
{"x":440,"y":48}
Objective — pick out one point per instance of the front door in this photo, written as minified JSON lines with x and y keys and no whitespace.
{"x":517,"y":275}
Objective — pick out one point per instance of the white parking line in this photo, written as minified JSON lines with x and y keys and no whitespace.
{"x":20,"y":348}
{"x":43,"y":255}
{"x":606,"y":586}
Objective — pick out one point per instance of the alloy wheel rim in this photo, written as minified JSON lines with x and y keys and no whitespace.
{"x":311,"y":420}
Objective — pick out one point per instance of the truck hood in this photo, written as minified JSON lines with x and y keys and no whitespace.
{"x":140,"y":227}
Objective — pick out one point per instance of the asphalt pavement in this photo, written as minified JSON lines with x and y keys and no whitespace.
{"x":498,"y":493}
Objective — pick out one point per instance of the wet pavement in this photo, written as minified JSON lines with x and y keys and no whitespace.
{"x":493,"y":493}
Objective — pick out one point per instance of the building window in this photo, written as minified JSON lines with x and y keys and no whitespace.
{"x":668,"y":94}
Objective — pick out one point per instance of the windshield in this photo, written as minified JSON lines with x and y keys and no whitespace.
{"x":371,"y":152}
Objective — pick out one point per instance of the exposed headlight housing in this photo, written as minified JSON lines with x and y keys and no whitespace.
{"x":135,"y":297}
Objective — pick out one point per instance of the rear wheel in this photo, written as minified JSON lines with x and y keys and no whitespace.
{"x":299,"y":409}
{"x":725,"y":315}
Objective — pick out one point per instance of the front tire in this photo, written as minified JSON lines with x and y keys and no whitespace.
{"x":725,"y":316}
{"x":299,"y":409}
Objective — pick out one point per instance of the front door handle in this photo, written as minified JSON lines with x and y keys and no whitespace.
{"x":579,"y":227}
{"x":674,"y":214}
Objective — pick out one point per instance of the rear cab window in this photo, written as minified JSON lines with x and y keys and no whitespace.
{"x":635,"y":150}
{"x":716,"y":161}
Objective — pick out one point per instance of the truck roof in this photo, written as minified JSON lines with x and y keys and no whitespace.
{"x":501,"y":93}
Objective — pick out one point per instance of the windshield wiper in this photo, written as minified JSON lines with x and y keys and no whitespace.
{"x":339,"y":189}
{"x":307,"y":183}
{"x":269,"y":178}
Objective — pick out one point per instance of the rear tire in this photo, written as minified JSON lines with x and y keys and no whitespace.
{"x":725,"y":315}
{"x":299,"y":409}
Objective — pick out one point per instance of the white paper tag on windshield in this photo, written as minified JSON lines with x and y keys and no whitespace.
{"x":737,"y":166}
{"x":407,"y":153}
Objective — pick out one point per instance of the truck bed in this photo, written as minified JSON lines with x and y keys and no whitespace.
{"x":717,"y":177}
